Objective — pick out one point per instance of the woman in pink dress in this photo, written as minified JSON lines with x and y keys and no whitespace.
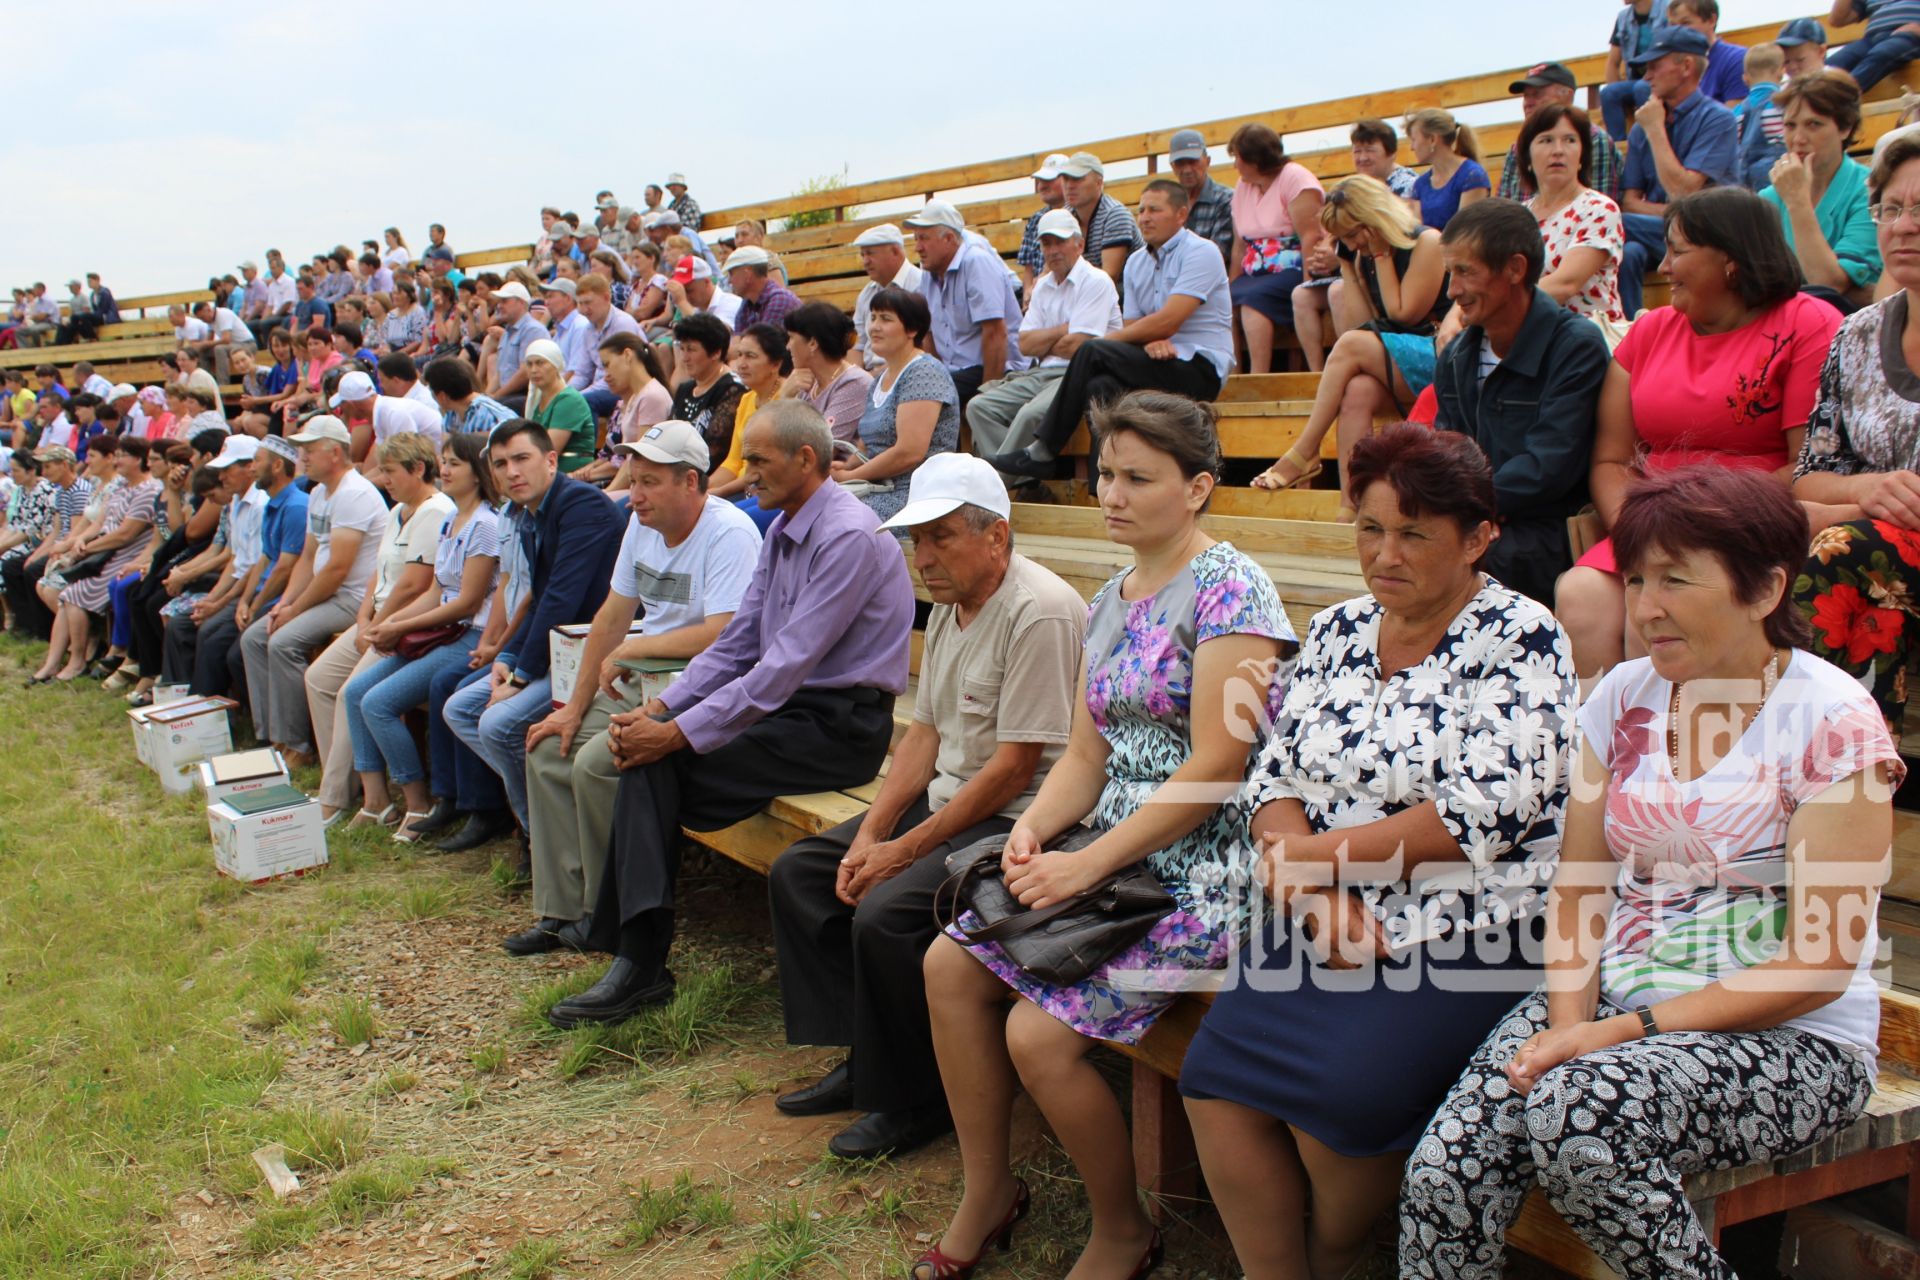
{"x":1727,"y":374}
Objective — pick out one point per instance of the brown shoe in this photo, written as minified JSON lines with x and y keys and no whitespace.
{"x":300,"y":759}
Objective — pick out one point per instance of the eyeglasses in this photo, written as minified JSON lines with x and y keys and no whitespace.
{"x":1886,"y":215}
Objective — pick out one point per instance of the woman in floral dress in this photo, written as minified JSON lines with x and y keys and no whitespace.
{"x":1181,"y":653}
{"x":1409,"y":803}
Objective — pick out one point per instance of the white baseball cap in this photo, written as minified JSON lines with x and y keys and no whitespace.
{"x":354,"y":387}
{"x":938,"y":213}
{"x":750,"y":256}
{"x":1052,"y":167}
{"x":323,"y":427}
{"x":946,"y":482}
{"x":1058,"y":222}
{"x":513,"y":289}
{"x":885,"y":233}
{"x":120,"y":390}
{"x":238,"y":448}
{"x":668,"y":443}
{"x":1082,"y":163}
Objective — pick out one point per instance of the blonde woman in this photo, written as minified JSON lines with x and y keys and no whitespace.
{"x":1392,"y":264}
{"x":1455,"y":177}
{"x":397,"y":254}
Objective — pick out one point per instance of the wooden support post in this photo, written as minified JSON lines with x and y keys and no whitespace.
{"x":1163,"y":1155}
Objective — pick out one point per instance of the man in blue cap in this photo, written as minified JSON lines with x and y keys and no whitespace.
{"x":1892,"y":38}
{"x":1682,"y":142}
{"x":1803,"y":45}
{"x":1723,"y":80}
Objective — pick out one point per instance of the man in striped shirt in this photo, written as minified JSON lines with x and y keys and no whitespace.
{"x":61,"y":468}
{"x":1892,"y":38}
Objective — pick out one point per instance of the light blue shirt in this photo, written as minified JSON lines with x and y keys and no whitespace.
{"x":513,"y":346}
{"x":977,"y":287}
{"x":575,"y":337}
{"x":1191,"y":267}
{"x":247,"y":522}
{"x":513,"y":558}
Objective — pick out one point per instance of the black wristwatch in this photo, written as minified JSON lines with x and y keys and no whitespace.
{"x":517,"y":681}
{"x":1648,"y":1027}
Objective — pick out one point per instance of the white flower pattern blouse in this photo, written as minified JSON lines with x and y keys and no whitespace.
{"x":1483,"y":727}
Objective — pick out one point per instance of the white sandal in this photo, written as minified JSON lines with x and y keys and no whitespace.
{"x":368,"y":818}
{"x":404,"y":834}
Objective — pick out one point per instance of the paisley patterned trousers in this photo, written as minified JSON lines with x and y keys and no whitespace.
{"x":1609,"y":1137}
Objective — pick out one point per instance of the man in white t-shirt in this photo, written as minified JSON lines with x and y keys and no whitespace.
{"x":401,"y":378}
{"x":689,"y":558}
{"x":1073,"y":300}
{"x":226,"y":333}
{"x":883,"y":256}
{"x":372,"y":419}
{"x":187,"y":328}
{"x":345,"y":515}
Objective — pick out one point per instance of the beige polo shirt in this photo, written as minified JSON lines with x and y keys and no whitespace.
{"x":1008,"y":676}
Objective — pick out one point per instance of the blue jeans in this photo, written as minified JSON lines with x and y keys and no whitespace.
{"x":117,"y":592}
{"x":458,"y":774}
{"x":1870,"y":63}
{"x":498,"y":734}
{"x":1646,"y":246}
{"x":750,"y":505}
{"x":379,"y":698}
{"x":1618,"y":102}
{"x":601,"y":401}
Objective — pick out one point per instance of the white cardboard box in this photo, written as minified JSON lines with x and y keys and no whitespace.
{"x":182,"y":734}
{"x":565,"y":647}
{"x":142,"y":748}
{"x":241,"y":772}
{"x":265,"y":846}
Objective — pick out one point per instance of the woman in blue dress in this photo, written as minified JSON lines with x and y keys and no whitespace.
{"x":1182,"y":649}
{"x":1409,"y":802}
{"x":1454,"y":177}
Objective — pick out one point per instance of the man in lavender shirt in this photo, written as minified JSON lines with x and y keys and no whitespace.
{"x":796,"y":695}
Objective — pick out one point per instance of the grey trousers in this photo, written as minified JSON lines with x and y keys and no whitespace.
{"x":570,"y":811}
{"x":222,"y":362}
{"x":1006,"y":415}
{"x":277,"y":671}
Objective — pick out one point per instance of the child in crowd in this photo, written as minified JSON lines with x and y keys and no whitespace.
{"x":1891,"y":40}
{"x":1763,"y":129}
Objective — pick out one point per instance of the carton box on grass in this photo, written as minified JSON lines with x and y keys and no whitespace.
{"x":565,"y":647}
{"x":241,"y":772}
{"x":182,"y":734}
{"x":142,"y":746}
{"x":267,"y":833}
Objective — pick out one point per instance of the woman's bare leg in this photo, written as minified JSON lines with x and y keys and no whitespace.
{"x":1259,"y":331}
{"x":1592,"y":605}
{"x":969,"y":1006}
{"x":1349,"y":1195}
{"x":1309,"y":323}
{"x":1258,"y":1184}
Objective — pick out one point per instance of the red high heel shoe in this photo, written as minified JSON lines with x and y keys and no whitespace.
{"x":1150,"y":1261}
{"x":936,"y":1265}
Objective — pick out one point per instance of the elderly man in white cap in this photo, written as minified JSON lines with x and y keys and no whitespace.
{"x":373,"y":419}
{"x":688,"y":557}
{"x":125,"y":398}
{"x":682,"y":203}
{"x":1105,"y":224}
{"x":883,"y":256}
{"x":345,"y":515}
{"x":514,"y":331}
{"x":1073,"y":302}
{"x":969,"y":291}
{"x":1052,"y":190}
{"x":763,"y":300}
{"x":853,"y":906}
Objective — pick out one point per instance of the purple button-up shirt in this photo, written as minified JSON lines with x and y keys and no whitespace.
{"x":830,"y":607}
{"x":775,"y":301}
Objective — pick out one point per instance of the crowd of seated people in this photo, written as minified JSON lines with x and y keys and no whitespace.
{"x":1702,"y":516}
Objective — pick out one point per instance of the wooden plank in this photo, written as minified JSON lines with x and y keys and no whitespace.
{"x":67,"y":356}
{"x":507,"y":255}
{"x":1284,"y":504}
{"x":150,"y":301}
{"x":1826,"y":1242}
{"x":1166,"y":1164}
{"x":1541,"y":1233}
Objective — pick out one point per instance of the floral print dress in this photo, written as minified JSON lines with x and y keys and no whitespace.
{"x":1140,"y":693}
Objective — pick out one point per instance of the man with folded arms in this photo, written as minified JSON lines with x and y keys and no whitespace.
{"x":976,"y":314}
{"x":688,"y":557}
{"x":795,"y":696}
{"x":883,"y":256}
{"x":853,"y":906}
{"x":1073,"y":301}
{"x":1176,"y":335}
{"x":571,"y":534}
{"x":345,"y":515}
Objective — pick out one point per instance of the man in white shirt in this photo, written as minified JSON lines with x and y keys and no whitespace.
{"x":689,"y":557}
{"x":692,"y":289}
{"x":883,"y":255}
{"x":372,"y":419}
{"x":187,"y":328}
{"x":56,"y":429}
{"x":1073,"y":301}
{"x":226,"y":333}
{"x":345,"y":515}
{"x":401,"y":377}
{"x":571,"y":330}
{"x":93,"y":384}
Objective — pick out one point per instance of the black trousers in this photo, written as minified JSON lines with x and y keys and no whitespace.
{"x":851,"y":975}
{"x":144,"y":603}
{"x":968,"y":382}
{"x":821,"y":740}
{"x":1104,"y":370}
{"x":19,"y":579}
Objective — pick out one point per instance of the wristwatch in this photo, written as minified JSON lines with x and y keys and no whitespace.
{"x":1648,"y":1027}
{"x":517,"y":680}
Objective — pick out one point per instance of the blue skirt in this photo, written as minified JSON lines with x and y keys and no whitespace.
{"x":1358,"y":1059}
{"x":1270,"y":294}
{"x":1412,"y":354}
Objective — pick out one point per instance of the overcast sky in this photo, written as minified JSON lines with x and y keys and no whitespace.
{"x":165,"y":144}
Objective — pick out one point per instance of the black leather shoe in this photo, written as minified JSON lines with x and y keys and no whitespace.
{"x":579,"y":934}
{"x":891,"y":1133}
{"x":546,"y":934}
{"x":481,"y":828}
{"x":622,"y":992}
{"x":831,"y":1092}
{"x":1018,"y":462}
{"x":442,"y":816}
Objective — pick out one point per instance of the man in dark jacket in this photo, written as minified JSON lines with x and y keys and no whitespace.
{"x":1523,"y":379}
{"x":571,"y":535}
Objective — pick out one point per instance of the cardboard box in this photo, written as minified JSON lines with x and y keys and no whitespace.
{"x":651,"y":676}
{"x":182,"y":734}
{"x":142,"y":747}
{"x":565,"y":647}
{"x":166,"y":694}
{"x":265,"y":834}
{"x":240,"y":773}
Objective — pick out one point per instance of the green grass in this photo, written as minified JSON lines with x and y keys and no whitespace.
{"x":352,"y":1020}
{"x":534,"y":1259}
{"x":653,"y":1210}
